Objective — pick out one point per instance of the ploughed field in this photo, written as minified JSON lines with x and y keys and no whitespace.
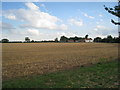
{"x":26,"y":59}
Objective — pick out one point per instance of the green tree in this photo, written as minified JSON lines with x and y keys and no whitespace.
{"x":63,"y":39}
{"x":114,"y":11}
{"x":97,"y":39}
{"x":109,"y":38}
{"x":56,"y":39}
{"x":27,"y":39}
{"x":76,"y":38}
{"x":86,"y":36}
{"x":32,"y":41}
{"x":5,"y":40}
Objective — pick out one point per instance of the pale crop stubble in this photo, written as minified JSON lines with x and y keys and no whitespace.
{"x":24,"y":59}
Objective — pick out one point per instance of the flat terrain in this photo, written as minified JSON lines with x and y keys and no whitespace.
{"x":103,"y":75}
{"x":26,"y":59}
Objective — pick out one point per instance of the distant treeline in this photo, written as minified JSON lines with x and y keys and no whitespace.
{"x":7,"y":41}
{"x":108,"y":39}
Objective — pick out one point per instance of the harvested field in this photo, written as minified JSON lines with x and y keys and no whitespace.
{"x":24,"y":59}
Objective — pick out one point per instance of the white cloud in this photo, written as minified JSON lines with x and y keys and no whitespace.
{"x":86,"y":15}
{"x":33,"y":32}
{"x":34,"y":18}
{"x":42,"y":5}
{"x":95,"y":29}
{"x":63,"y":27}
{"x":12,"y":17}
{"x":6,"y":26}
{"x":100,"y":15}
{"x":101,"y":27}
{"x":75,"y":22}
{"x":103,"y":31}
{"x":45,"y":8}
{"x":67,"y":34}
{"x":32,"y":6}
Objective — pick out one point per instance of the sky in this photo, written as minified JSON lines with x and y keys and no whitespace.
{"x":50,"y":20}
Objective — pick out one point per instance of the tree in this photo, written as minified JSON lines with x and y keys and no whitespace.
{"x":32,"y":41}
{"x":76,"y":38}
{"x":5,"y":40}
{"x":86,"y":36}
{"x":116,"y":40}
{"x":56,"y":39}
{"x":63,"y":39}
{"x":27,"y":39}
{"x":114,"y":11}
{"x":109,"y":38}
{"x":97,"y":39}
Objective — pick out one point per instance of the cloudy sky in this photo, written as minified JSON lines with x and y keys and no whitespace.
{"x":48,"y":20}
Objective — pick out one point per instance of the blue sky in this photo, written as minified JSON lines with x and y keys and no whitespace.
{"x":48,"y":20}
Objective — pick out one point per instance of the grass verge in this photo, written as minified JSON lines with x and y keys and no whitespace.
{"x":103,"y":75}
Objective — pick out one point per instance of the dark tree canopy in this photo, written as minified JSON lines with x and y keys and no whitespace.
{"x":97,"y":39}
{"x":86,"y":36}
{"x":5,"y":40}
{"x":114,"y":11}
{"x":27,"y":39}
{"x":63,"y":39}
{"x":108,"y":39}
{"x":56,"y":39}
{"x":32,"y":41}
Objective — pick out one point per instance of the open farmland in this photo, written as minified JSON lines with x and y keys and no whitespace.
{"x":24,"y":59}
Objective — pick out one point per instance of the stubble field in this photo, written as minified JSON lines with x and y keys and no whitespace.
{"x":26,"y":59}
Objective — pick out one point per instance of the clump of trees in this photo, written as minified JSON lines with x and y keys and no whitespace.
{"x":108,"y":39}
{"x":4,"y":40}
{"x":27,"y":39}
{"x":73,"y":39}
{"x":63,"y":39}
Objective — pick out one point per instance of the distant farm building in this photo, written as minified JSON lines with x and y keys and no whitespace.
{"x":88,"y":40}
{"x":71,"y":41}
